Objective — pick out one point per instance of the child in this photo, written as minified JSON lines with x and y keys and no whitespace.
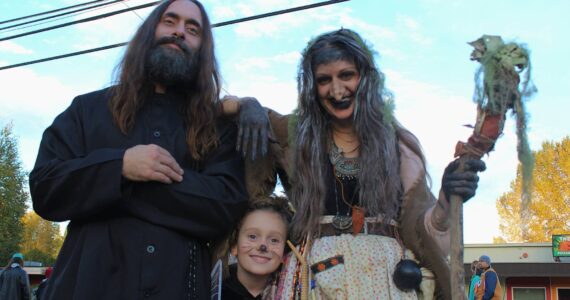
{"x":258,"y":243}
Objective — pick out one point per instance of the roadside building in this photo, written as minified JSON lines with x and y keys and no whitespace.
{"x":527,"y":271}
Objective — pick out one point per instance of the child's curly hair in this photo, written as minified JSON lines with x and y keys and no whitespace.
{"x":274,"y":203}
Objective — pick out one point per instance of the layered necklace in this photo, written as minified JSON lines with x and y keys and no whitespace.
{"x":345,"y":169}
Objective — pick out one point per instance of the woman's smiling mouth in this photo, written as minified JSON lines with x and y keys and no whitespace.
{"x":342,"y":104}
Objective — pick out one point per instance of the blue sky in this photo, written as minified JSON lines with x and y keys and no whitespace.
{"x":421,"y":44}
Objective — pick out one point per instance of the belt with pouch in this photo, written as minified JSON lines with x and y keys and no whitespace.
{"x":372,"y":225}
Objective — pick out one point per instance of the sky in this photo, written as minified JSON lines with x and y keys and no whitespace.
{"x":421,"y":46}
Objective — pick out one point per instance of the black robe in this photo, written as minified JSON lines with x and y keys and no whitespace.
{"x":133,"y":240}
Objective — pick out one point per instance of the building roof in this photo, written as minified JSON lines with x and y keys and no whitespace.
{"x":518,"y":259}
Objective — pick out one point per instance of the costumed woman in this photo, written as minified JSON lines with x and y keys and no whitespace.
{"x":364,"y":211}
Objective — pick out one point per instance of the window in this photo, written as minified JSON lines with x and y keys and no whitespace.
{"x":529,"y":293}
{"x":563,"y":293}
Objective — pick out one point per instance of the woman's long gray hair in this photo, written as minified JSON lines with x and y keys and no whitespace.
{"x":377,"y":131}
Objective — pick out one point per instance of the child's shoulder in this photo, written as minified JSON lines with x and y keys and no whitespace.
{"x":232,"y":289}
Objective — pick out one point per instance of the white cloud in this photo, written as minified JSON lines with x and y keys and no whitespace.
{"x":245,"y":10}
{"x":408,"y":22}
{"x":278,"y":95}
{"x":288,"y":58}
{"x":480,"y":222}
{"x":223,"y":13}
{"x":103,"y":32}
{"x":376,"y":35}
{"x":427,"y":109}
{"x":250,"y":63}
{"x":413,"y":29}
{"x":281,"y":25}
{"x":31,"y":102}
{"x":421,"y":39}
{"x":43,"y":95}
{"x":28,"y":150}
{"x":114,"y":29}
{"x":437,"y":117}
{"x":268,"y":27}
{"x":13,"y":48}
{"x":393,"y":53}
{"x":366,"y":29}
{"x":252,"y":7}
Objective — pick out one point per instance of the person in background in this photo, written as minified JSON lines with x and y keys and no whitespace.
{"x":14,"y":282}
{"x":41,"y":287}
{"x":476,"y":275}
{"x":145,"y":170}
{"x":490,"y":287}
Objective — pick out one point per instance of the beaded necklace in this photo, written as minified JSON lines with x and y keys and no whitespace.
{"x":344,"y":167}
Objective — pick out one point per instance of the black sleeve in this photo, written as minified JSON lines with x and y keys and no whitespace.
{"x":206,"y":204}
{"x":39,"y":291}
{"x":67,"y":181}
{"x":25,"y":286}
{"x":73,"y":181}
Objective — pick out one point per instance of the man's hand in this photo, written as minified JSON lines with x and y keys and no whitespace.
{"x":254,"y":125}
{"x":462,"y":183}
{"x":150,"y":163}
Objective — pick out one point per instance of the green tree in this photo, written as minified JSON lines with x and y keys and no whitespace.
{"x":41,"y":239}
{"x":13,"y":194}
{"x":550,"y":207}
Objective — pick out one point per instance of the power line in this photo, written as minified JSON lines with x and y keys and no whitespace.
{"x":54,"y":20}
{"x":62,"y":14}
{"x":235,"y":21}
{"x":49,"y":12}
{"x":134,"y":12}
{"x":102,"y":16}
{"x":278,"y":12}
{"x":62,"y":56}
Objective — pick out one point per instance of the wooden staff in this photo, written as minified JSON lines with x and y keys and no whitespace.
{"x":304,"y":280}
{"x":498,"y":90}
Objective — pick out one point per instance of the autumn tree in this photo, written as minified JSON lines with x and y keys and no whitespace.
{"x":41,"y":239}
{"x":13,"y":194}
{"x":550,"y":207}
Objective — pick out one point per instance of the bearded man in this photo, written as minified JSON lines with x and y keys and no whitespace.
{"x":145,"y":170}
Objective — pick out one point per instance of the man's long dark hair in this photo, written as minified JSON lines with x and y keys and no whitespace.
{"x":135,"y":87}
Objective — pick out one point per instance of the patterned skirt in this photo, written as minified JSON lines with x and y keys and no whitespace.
{"x":347,"y":267}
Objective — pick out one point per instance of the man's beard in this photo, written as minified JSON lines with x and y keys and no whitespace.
{"x":169,"y":66}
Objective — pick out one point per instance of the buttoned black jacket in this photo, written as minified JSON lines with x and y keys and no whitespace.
{"x":125,"y":239}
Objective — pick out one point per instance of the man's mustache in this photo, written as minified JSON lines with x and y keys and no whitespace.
{"x":173,"y":40}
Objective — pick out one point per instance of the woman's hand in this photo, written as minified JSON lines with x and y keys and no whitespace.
{"x":253,"y":124}
{"x":462,"y":183}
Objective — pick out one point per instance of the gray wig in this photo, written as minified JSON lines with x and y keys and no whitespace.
{"x":379,"y":183}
